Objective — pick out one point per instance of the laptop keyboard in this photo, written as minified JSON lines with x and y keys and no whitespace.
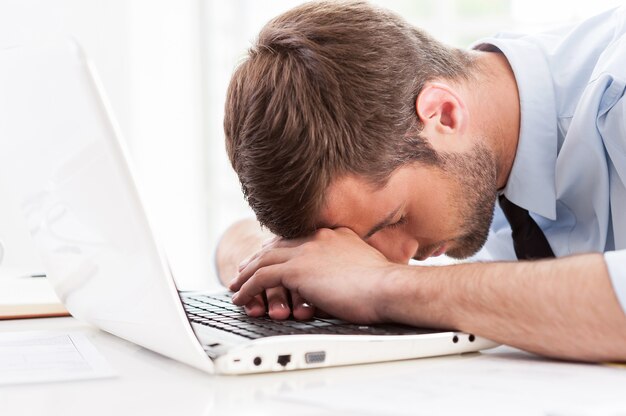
{"x":217,"y":311}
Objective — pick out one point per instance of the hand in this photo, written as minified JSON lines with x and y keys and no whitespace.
{"x":334,"y":269}
{"x":242,"y":239}
{"x":279,"y":302}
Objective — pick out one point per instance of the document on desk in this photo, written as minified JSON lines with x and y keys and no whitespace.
{"x":45,"y":356}
{"x":504,"y":382}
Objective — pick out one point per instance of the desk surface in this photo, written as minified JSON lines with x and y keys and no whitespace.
{"x":488,"y":383}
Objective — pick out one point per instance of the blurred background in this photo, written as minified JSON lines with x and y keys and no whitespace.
{"x":165,"y":66}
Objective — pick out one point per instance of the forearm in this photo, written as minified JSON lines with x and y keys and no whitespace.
{"x":563,"y":308}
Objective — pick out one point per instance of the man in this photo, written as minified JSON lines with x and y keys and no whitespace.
{"x":362,"y":143}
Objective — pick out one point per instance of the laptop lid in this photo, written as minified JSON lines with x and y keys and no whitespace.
{"x":59,"y":148}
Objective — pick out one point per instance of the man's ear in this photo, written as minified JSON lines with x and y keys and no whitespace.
{"x":441,"y":110}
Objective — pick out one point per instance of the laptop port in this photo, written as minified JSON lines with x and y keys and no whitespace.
{"x":315,"y":357}
{"x":257,"y":361}
{"x":284,"y":359}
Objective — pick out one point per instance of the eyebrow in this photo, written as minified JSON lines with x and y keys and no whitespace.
{"x":383,"y":223}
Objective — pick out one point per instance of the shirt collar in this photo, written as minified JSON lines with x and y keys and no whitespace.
{"x":531,"y":182}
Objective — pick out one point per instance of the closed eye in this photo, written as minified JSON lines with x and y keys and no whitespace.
{"x":384,"y":223}
{"x":398,"y":223}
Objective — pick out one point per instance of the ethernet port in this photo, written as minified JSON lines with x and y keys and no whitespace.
{"x":284,"y":359}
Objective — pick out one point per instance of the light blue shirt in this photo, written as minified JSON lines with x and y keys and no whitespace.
{"x":570,"y":165}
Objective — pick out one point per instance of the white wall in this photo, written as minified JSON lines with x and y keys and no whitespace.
{"x":167,"y":134}
{"x":148,"y":55}
{"x":101,"y":27}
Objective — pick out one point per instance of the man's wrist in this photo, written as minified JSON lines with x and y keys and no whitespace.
{"x":421,"y":296}
{"x":403,"y":293}
{"x":387,"y":296}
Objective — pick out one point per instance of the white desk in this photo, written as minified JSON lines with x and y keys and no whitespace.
{"x":149,"y":384}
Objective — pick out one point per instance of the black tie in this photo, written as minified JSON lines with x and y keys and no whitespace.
{"x":528,"y":239}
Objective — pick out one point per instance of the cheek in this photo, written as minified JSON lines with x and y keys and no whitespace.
{"x":433,"y":217}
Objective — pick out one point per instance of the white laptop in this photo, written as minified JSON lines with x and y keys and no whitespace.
{"x":69,"y":168}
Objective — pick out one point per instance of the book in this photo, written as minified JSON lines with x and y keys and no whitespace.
{"x":28,"y":295}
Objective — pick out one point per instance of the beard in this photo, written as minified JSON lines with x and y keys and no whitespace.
{"x":475,"y":197}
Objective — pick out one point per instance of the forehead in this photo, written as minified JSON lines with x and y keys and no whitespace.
{"x":351,"y":200}
{"x":344,"y":195}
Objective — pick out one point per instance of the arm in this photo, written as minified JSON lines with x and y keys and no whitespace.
{"x":241,"y":240}
{"x":563,"y":308}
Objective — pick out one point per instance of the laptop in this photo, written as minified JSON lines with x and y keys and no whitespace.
{"x":70,"y":171}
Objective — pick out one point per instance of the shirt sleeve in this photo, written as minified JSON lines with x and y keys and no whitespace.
{"x":616,"y":264}
{"x":612,"y":126}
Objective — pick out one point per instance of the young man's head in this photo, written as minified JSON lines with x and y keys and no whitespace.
{"x":335,"y":100}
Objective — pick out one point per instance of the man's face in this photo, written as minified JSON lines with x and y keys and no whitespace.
{"x":423,"y":211}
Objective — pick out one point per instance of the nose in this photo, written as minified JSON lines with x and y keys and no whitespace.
{"x":400,"y":251}
{"x":409,"y":248}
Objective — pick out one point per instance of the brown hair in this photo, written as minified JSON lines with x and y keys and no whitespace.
{"x":328,"y":89}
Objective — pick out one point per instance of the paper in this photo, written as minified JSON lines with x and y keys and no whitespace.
{"x":44,"y":356}
{"x":506,"y":382}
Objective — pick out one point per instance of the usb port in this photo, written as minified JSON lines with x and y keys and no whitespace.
{"x":315,"y":357}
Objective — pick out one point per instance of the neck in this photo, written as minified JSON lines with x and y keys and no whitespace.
{"x":496,"y":110}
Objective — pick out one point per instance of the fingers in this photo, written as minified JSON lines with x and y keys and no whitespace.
{"x":302,"y":310}
{"x":269,"y":244}
{"x":277,"y":303}
{"x":266,"y":245}
{"x":263,"y":279}
{"x":262,"y":272}
{"x":271,"y":257}
{"x":255,"y":307}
